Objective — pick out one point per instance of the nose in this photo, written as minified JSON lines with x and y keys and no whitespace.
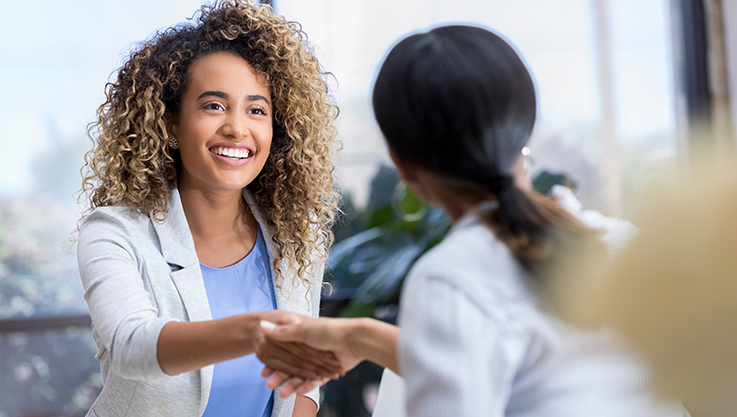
{"x":235,"y":124}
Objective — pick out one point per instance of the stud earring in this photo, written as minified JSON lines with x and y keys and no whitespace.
{"x":173,"y":142}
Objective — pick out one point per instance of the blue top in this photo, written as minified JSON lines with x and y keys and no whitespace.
{"x":237,"y":386}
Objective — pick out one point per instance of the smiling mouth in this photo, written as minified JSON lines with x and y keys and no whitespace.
{"x":233,"y":153}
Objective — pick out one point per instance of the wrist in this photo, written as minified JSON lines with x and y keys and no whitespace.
{"x":250,"y":332}
{"x":376,"y":341}
{"x":356,"y":337}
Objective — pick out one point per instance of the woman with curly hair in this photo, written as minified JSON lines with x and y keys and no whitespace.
{"x":210,"y":187}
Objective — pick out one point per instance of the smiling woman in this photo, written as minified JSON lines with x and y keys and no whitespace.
{"x":210,"y":189}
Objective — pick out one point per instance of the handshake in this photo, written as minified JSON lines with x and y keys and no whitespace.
{"x":302,"y":353}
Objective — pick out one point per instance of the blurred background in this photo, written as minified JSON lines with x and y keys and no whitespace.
{"x":625,"y":88}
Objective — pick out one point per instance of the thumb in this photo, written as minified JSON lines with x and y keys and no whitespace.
{"x":275,"y":332}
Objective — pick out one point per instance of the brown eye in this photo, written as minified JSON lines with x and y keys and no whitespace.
{"x":212,"y":106}
{"x":258,"y":110}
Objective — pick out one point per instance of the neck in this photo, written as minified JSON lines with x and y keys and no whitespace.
{"x":223,"y":229}
{"x":448,"y":194}
{"x":213,"y":215}
{"x":438,"y":191}
{"x":452,"y":203}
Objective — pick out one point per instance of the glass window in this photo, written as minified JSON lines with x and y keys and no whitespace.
{"x":561,"y":43}
{"x":56,"y":59}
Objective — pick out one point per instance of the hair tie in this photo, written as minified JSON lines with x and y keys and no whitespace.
{"x":500,"y":184}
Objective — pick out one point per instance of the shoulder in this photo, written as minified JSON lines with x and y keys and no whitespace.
{"x":617,"y":234}
{"x":120,"y":215}
{"x":472,"y":263}
{"x":112,"y":218}
{"x":115,"y":225}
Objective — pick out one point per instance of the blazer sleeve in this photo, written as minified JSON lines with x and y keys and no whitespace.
{"x":315,"y":293}
{"x":123,"y":313}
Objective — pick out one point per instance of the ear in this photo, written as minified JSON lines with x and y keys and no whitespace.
{"x":416,"y":179}
{"x":521,"y":177}
{"x":171,"y":125}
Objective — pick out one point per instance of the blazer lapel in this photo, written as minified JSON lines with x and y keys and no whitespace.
{"x":177,"y":248}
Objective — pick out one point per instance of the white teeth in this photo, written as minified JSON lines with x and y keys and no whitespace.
{"x":231,"y":152}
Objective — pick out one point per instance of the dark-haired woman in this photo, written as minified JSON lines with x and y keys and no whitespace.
{"x":457,"y":106}
{"x":211,"y":198}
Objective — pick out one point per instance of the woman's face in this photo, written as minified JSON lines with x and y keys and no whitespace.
{"x":224,"y":126}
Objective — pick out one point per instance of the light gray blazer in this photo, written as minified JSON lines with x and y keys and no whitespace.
{"x":139,"y":275}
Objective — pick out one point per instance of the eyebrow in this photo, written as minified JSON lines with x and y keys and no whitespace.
{"x":256,"y":97}
{"x":223,"y":95}
{"x":213,"y":93}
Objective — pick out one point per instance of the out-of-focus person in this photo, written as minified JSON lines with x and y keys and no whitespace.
{"x":673,"y":292}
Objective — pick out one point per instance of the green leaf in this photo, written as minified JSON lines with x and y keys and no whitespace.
{"x":354,"y":310}
{"x":380,"y":217}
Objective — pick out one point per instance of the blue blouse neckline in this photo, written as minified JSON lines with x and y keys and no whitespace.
{"x":259,"y":237}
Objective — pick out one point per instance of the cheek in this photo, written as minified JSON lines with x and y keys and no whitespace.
{"x":265,"y":139}
{"x":190,"y":161}
{"x":191,"y":151}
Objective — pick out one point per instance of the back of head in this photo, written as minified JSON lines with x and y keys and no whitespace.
{"x":459,"y":102}
{"x":456,"y":100}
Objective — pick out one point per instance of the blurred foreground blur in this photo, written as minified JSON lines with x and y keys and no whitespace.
{"x":672,"y":293}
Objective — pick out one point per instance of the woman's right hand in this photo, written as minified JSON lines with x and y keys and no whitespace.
{"x":324,"y":334}
{"x":352,"y":341}
{"x":293,"y":356}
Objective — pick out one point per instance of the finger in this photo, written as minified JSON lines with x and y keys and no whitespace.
{"x":287,"y":333}
{"x":281,"y":317}
{"x":267,"y":326}
{"x":285,"y":318}
{"x":298,"y":357}
{"x":276,"y":380}
{"x":321,"y":359}
{"x":305,"y":372}
{"x":301,"y":356}
{"x":287,"y":353}
{"x":308,"y":386}
{"x":290,"y":387}
{"x":267,"y":372}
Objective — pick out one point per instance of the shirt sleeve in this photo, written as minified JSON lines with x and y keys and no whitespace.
{"x":452,"y":355}
{"x":123,"y":315}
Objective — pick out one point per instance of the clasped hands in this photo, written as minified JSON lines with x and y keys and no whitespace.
{"x":302,"y":353}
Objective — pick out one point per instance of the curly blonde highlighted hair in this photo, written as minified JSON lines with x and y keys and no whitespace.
{"x":131,"y":164}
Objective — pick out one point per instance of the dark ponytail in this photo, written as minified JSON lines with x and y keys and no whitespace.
{"x":459,"y":102}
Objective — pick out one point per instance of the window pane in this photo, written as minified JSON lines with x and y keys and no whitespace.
{"x":48,"y":373}
{"x":559,"y":41}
